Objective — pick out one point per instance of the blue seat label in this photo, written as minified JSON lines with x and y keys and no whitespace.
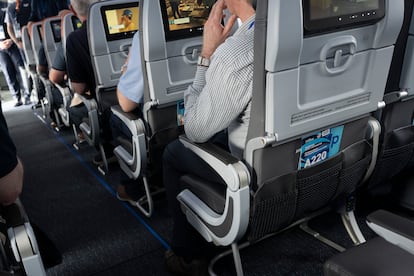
{"x":180,"y":112}
{"x":320,"y":146}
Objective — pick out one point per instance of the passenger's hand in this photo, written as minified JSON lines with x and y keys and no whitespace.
{"x":214,"y":31}
{"x":6,"y":44}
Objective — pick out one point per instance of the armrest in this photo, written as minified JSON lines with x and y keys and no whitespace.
{"x":230,"y":225}
{"x":44,"y":79}
{"x":90,"y":103}
{"x":393,"y":222}
{"x":233,"y":171}
{"x":393,"y":228}
{"x":64,"y":90}
{"x":132,"y":121}
{"x":14,"y":215}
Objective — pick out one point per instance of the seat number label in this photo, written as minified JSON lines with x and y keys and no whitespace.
{"x":320,"y":146}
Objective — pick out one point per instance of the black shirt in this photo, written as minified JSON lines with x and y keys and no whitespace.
{"x":3,"y":26}
{"x":8,"y":158}
{"x":78,"y":58}
{"x":42,"y":9}
{"x":22,"y":16}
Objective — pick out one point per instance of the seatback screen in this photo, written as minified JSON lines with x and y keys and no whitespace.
{"x":326,"y":15}
{"x":185,"y":18}
{"x":56,"y":29}
{"x":120,"y":21}
{"x":76,"y":23}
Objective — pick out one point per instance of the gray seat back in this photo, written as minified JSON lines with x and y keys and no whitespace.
{"x":307,"y":140}
{"x":69,"y":23}
{"x":108,"y":45}
{"x":36,"y":39}
{"x":168,"y":53}
{"x":319,"y":80}
{"x":27,"y":47}
{"x":51,"y":37}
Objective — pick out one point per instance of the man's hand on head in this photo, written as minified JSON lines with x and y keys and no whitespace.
{"x":214,"y":31}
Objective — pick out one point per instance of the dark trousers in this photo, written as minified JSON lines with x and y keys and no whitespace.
{"x":10,"y":61}
{"x":177,"y":161}
{"x":77,"y":114}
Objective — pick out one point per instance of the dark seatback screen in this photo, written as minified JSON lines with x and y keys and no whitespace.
{"x":120,"y":21}
{"x":185,"y":18}
{"x":56,"y":29}
{"x":76,"y":23}
{"x":325,"y":15}
{"x":39,"y":30}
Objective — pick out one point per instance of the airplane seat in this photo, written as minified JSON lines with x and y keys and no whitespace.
{"x":51,"y":41}
{"x":317,"y":81}
{"x":109,"y":46}
{"x":19,"y":252}
{"x":391,"y":253}
{"x":375,"y":257}
{"x":397,"y":138}
{"x":30,"y":63}
{"x":46,"y":98}
{"x":169,"y":53}
{"x":68,"y":24}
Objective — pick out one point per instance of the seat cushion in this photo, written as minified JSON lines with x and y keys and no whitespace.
{"x":212,"y":194}
{"x":376,"y":257}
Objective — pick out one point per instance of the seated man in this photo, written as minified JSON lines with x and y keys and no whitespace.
{"x":130,"y":93}
{"x":82,"y":77}
{"x":43,"y":70}
{"x":218,"y":100}
{"x":11,"y":169}
{"x":11,"y":184}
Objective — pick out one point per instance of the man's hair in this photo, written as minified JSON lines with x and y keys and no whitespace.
{"x":127,"y":13}
{"x":81,"y":7}
{"x":253,"y":2}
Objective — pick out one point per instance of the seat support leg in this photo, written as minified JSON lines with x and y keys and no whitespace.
{"x":237,"y":260}
{"x":352,"y":227}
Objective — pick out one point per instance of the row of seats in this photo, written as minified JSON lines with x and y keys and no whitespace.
{"x":310,"y":88}
{"x":321,"y":126}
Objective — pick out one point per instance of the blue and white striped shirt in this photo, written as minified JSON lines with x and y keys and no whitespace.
{"x":220,"y":96}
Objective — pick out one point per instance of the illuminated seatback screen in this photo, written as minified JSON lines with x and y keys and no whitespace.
{"x":120,"y":21}
{"x":185,"y":18}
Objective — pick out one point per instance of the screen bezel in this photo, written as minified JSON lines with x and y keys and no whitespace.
{"x":75,"y":20}
{"x":122,"y":35}
{"x":313,"y":26}
{"x":177,"y":34}
{"x":40,"y":31}
{"x":52,"y":24}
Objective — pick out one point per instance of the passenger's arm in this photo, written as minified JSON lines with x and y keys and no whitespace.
{"x":126,"y":104}
{"x":11,"y":169}
{"x":57,"y":76}
{"x":79,"y":87}
{"x":130,"y":90}
{"x":11,"y":185}
{"x":12,"y":35}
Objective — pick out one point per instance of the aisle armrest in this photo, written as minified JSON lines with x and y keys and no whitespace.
{"x":229,"y":226}
{"x":393,"y":228}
